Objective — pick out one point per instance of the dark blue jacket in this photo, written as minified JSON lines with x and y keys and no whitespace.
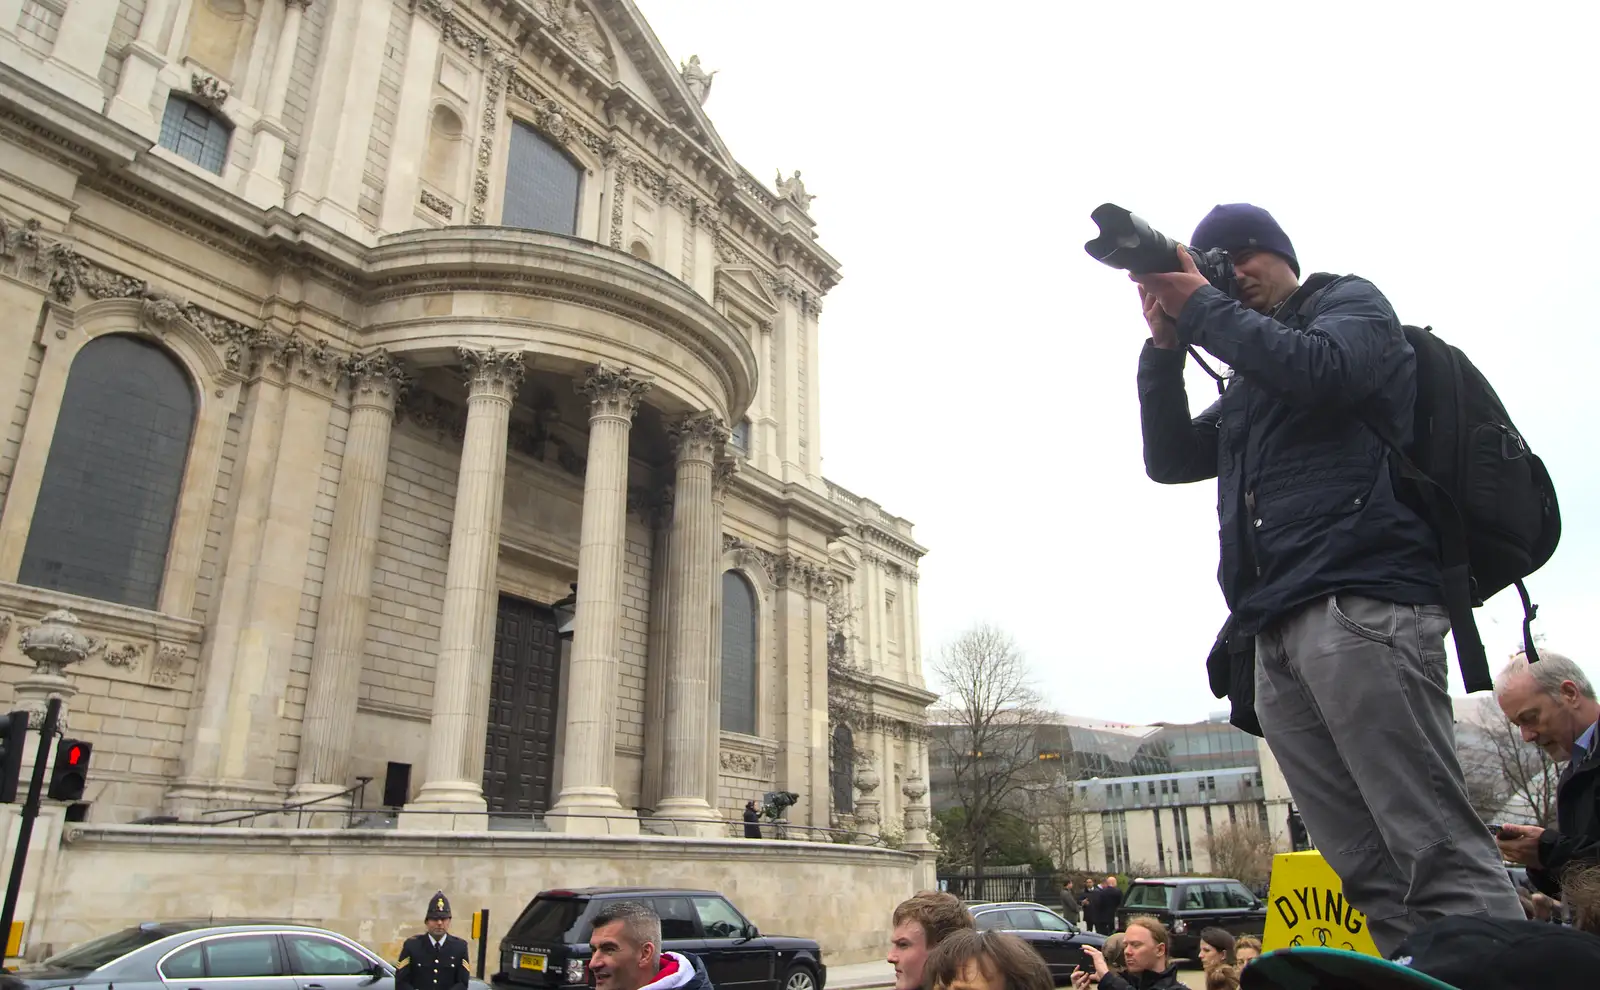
{"x":1305,"y":497}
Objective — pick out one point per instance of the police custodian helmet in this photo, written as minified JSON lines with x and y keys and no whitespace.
{"x":438,"y":907}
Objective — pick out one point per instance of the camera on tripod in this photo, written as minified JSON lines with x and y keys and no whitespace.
{"x":1129,"y":243}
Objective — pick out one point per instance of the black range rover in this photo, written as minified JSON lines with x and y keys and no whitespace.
{"x":548,"y":946}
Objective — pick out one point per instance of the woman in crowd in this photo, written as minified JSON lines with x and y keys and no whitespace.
{"x":1216,"y":949}
{"x":1221,"y":977}
{"x":973,"y":960}
{"x":1246,"y":950}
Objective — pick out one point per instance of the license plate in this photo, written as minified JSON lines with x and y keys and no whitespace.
{"x":533,"y":961}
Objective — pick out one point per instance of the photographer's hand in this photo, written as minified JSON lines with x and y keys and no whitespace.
{"x":1171,"y":290}
{"x":1163,"y":328}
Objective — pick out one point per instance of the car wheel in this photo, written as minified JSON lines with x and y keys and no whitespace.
{"x":799,"y":978}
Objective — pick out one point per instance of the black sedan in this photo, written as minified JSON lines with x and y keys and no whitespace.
{"x":1056,"y":939}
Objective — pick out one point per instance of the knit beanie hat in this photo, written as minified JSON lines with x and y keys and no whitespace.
{"x":1240,"y":226}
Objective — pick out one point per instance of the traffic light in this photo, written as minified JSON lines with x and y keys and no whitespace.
{"x":71,"y":770}
{"x":13,"y":733}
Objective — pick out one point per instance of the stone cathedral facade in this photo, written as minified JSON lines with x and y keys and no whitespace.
{"x":341,"y":339}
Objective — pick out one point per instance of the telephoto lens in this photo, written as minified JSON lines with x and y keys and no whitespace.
{"x":1129,"y":243}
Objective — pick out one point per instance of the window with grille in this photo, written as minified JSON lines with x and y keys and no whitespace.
{"x":541,"y":184}
{"x":740,"y":440}
{"x":110,"y":490}
{"x":193,"y":132}
{"x":739,"y":667}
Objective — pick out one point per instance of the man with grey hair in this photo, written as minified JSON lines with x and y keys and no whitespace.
{"x":625,"y":953}
{"x":1552,"y":702}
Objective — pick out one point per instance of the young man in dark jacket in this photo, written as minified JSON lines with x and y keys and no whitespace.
{"x":1333,"y":581}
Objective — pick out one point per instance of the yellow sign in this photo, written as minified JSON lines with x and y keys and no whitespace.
{"x":1306,"y":907}
{"x":14,"y":943}
{"x":477,"y":924}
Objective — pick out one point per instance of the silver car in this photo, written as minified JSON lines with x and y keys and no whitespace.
{"x":205,"y":955}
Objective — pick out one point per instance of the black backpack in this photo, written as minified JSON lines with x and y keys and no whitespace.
{"x":1471,"y":475}
{"x":1486,"y":493}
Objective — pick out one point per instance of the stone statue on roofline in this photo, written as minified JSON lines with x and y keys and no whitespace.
{"x":697,"y":78}
{"x":794,"y":189}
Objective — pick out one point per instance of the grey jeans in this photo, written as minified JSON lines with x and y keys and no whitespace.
{"x":1352,"y":694}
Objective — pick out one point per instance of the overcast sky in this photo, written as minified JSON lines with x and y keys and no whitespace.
{"x":978,"y":367}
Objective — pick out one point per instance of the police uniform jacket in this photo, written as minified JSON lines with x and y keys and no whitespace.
{"x":426,"y":966}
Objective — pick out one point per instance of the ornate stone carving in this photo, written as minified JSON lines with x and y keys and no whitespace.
{"x":866,"y":779}
{"x":613,"y":391}
{"x":125,"y":657}
{"x":751,"y":555}
{"x":452,"y":28}
{"x":377,"y":375}
{"x":491,"y":371}
{"x":914,"y":788}
{"x":168,"y":664}
{"x":437,"y":204}
{"x":574,"y":25}
{"x":618,"y":193}
{"x":56,"y":642}
{"x":722,"y":473}
{"x":697,"y":79}
{"x":303,"y":5}
{"x":5,"y":628}
{"x":699,"y":435}
{"x":738,"y":762}
{"x":493,"y":90}
{"x":794,"y":190}
{"x":208,"y":90}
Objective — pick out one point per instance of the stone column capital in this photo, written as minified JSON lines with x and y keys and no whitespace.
{"x":699,"y":437}
{"x":722,"y":473}
{"x":613,"y":391}
{"x":491,"y":372}
{"x":376,"y":379}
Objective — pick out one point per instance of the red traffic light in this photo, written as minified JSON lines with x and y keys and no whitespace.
{"x":74,"y":755}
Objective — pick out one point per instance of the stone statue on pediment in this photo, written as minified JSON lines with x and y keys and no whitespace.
{"x":697,"y":78}
{"x":794,"y":189}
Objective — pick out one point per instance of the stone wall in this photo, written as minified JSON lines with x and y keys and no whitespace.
{"x":373,"y":888}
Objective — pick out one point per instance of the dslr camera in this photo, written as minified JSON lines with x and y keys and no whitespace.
{"x":1129,"y":243}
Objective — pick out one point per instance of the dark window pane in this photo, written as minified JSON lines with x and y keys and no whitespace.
{"x":187,"y":964}
{"x":110,"y":489}
{"x":195,"y":133}
{"x":541,"y":184}
{"x":244,"y":955}
{"x":739,"y":666}
{"x":677,"y":918}
{"x":841,"y":774}
{"x":313,"y":956}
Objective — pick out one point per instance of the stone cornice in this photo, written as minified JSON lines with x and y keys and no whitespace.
{"x":555,"y":845}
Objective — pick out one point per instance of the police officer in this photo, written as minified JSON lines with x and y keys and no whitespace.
{"x":436,"y":960}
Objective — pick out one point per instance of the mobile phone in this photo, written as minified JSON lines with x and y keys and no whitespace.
{"x":1495,"y":828}
{"x":1085,"y":961}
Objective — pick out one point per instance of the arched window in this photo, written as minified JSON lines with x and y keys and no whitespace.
{"x":442,"y":163}
{"x":739,"y":667}
{"x":110,"y":490}
{"x":193,"y":132}
{"x":640,"y":250}
{"x":841,"y":771}
{"x":541,"y":184}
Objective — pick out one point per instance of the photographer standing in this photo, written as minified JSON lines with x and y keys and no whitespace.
{"x":1335,"y":647}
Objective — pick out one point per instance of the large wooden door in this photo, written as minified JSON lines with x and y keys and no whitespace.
{"x":519,"y":753}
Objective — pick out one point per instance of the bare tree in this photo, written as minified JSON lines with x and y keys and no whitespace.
{"x":991,"y":713}
{"x":1243,"y":852}
{"x":1067,"y":828}
{"x":1518,"y":773}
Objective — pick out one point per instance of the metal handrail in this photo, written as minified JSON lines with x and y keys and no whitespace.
{"x":734,"y":827}
{"x":359,"y":788}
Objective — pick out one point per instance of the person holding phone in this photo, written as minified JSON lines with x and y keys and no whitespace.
{"x":1145,"y":948}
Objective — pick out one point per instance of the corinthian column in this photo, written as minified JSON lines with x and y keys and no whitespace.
{"x":466,"y":634}
{"x":722,"y":474}
{"x":325,"y":733}
{"x":683,"y":786}
{"x":588,"y":800}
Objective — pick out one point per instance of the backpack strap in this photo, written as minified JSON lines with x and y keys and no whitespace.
{"x":1460,"y":596}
